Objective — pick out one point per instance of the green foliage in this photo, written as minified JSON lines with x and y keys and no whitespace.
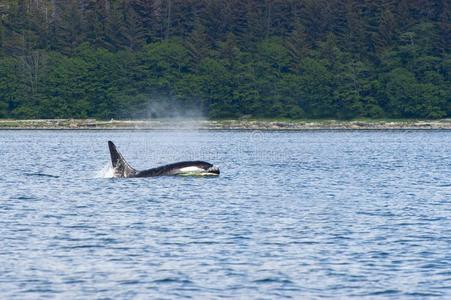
{"x":225,"y":59}
{"x":8,"y":86}
{"x":407,"y":97}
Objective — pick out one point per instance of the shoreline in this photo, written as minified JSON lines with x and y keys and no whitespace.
{"x":232,"y":124}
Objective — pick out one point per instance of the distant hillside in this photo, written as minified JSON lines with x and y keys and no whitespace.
{"x":225,"y":58}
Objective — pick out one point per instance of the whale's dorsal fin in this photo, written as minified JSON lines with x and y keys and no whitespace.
{"x":120,"y":165}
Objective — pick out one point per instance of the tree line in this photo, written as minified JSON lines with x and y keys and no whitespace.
{"x":225,"y":58}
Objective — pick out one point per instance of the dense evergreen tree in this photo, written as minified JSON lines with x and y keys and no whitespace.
{"x":225,"y":58}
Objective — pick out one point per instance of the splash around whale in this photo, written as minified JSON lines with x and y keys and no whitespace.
{"x":185,"y":168}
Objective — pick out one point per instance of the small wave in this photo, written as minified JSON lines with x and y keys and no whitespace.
{"x":130,"y":282}
{"x":167,"y":280}
{"x":273,"y":280}
{"x":106,"y":172}
{"x":24,"y":197}
{"x":425,"y":294}
{"x":41,"y":175}
{"x":41,"y":290}
{"x":384,"y":292}
{"x":86,"y":246}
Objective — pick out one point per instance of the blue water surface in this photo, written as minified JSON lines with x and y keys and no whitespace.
{"x":341,"y":214}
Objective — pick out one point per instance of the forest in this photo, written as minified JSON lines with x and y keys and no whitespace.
{"x":337,"y":59}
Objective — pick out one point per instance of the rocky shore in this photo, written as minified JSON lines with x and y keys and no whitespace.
{"x":238,"y":124}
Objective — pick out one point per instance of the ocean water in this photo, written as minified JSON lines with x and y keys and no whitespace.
{"x":340,"y":214}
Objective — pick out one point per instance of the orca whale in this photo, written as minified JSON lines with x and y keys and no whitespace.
{"x":194,"y":168}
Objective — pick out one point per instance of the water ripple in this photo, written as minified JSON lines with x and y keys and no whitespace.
{"x":293,"y":215}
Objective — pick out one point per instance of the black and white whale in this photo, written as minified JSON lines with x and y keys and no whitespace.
{"x":193,"y":168}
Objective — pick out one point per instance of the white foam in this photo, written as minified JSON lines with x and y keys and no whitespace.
{"x":106,"y":172}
